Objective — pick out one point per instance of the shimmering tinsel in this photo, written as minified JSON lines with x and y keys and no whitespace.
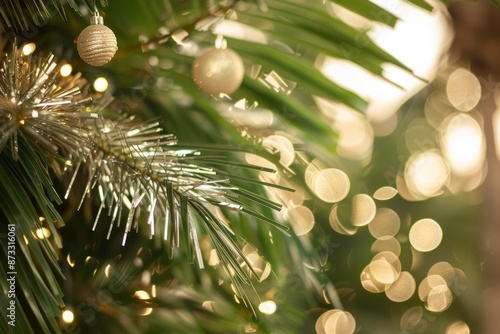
{"x":36,"y":102}
{"x":141,"y":175}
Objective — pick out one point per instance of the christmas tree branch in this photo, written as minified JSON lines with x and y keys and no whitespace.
{"x":136,"y":168}
{"x":202,"y":22}
{"x":141,"y":175}
{"x":26,"y":190}
{"x":22,"y":16}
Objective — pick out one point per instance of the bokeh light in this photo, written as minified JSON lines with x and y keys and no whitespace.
{"x":463,"y":144}
{"x":70,"y":260}
{"x":386,"y":244}
{"x":213,"y":258}
{"x":68,"y":316}
{"x":300,"y":218}
{"x":142,"y":295}
{"x":43,"y":233}
{"x":101,"y":84}
{"x":335,"y":321}
{"x":412,"y":319}
{"x":385,"y":193}
{"x":369,"y":282}
{"x":66,"y":70}
{"x":429,"y":283}
{"x":288,"y":198}
{"x":363,"y":210}
{"x":458,"y":327}
{"x":283,"y":146}
{"x":312,"y":170}
{"x":29,"y":49}
{"x":426,"y":173}
{"x":386,"y":223}
{"x":387,"y":268}
{"x":338,"y":226}
{"x":209,"y":305}
{"x":463,"y":89}
{"x":107,"y":270}
{"x":267,"y":307}
{"x":331,"y":185}
{"x":383,"y":271}
{"x":425,"y":235}
{"x":257,"y":262}
{"x":496,"y":128}
{"x":355,"y":137}
{"x":439,"y":298}
{"x":403,"y":288}
{"x":355,"y":141}
{"x":145,"y":298}
{"x":445,"y":270}
{"x":257,"y":160}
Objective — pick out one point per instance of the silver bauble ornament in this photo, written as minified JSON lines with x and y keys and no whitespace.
{"x":218,"y":71}
{"x":96,"y":44}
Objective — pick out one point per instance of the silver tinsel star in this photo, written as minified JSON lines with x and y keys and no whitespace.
{"x":39,"y":104}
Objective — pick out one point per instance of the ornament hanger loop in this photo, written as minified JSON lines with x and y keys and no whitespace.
{"x":96,"y":18}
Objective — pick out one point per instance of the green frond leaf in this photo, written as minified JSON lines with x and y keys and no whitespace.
{"x":369,"y":10}
{"x":426,"y":6}
{"x":36,"y":261}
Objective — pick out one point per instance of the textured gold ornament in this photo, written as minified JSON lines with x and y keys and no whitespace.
{"x":96,"y":44}
{"x":218,"y":71}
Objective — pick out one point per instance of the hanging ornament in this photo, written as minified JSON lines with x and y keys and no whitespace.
{"x":96,"y":44}
{"x":218,"y":71}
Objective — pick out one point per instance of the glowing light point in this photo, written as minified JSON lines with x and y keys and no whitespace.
{"x":42,"y":233}
{"x":66,"y":70}
{"x":463,"y":89}
{"x":142,"y":295}
{"x":463,"y":144}
{"x":68,"y":316}
{"x":458,"y":327}
{"x":29,"y":48}
{"x":335,"y":321}
{"x":267,"y":307}
{"x":100,"y":84}
{"x":425,"y":235}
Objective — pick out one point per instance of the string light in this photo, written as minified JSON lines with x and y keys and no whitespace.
{"x":267,"y":307}
{"x":28,"y":49}
{"x":101,"y":84}
{"x":42,"y":233}
{"x":68,"y":316}
{"x":66,"y":70}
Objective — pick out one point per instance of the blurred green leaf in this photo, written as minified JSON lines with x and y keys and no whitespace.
{"x":425,"y":5}
{"x":369,"y":10}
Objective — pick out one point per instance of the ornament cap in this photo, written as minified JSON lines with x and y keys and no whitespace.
{"x":96,"y":19}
